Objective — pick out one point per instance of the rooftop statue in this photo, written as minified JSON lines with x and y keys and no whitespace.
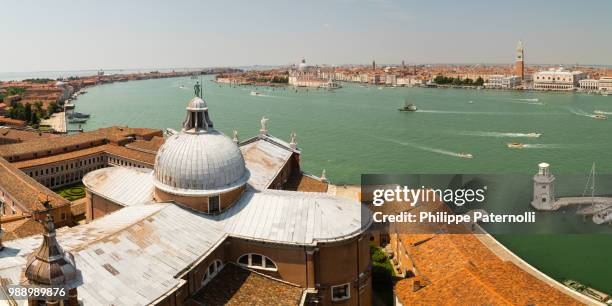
{"x":197,"y":88}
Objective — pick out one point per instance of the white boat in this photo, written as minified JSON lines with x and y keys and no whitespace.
{"x":603,"y":216}
{"x":471,"y":102}
{"x":466,"y":155}
{"x":599,"y":116}
{"x":515,"y":145}
{"x":255,"y":93}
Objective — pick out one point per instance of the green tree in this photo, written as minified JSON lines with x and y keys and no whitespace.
{"x":479,"y":81}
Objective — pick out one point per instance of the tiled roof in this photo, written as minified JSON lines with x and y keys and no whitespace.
{"x":113,"y":134}
{"x":463,"y":271}
{"x":26,"y":191}
{"x":21,"y":228}
{"x":235,"y":285}
{"x":117,"y":150}
{"x":23,"y":135}
{"x":121,"y":151}
{"x":148,"y":146}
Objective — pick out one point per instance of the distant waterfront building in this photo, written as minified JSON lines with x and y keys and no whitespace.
{"x":557,"y":79}
{"x":310,"y":76}
{"x":589,"y":84}
{"x":501,"y":81}
{"x":519,"y":64}
{"x":605,"y":84}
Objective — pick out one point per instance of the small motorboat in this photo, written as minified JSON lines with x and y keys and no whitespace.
{"x":533,"y":135}
{"x":255,"y":93}
{"x":78,"y":115}
{"x":408,"y":107}
{"x":77,"y":120}
{"x":599,"y":116}
{"x":465,"y":155}
{"x":471,"y":102}
{"x":69,"y":106}
{"x":515,"y":145}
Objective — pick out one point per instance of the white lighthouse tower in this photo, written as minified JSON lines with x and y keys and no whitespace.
{"x":543,"y":189}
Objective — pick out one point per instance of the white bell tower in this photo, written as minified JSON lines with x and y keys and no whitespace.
{"x":543,"y":189}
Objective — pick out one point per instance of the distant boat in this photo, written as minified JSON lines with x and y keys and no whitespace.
{"x":255,"y":93}
{"x":588,"y":291}
{"x":408,"y":107}
{"x":599,"y":116}
{"x":515,"y":145}
{"x":533,"y":135}
{"x":78,"y":115}
{"x":69,"y":106}
{"x":471,"y":102}
{"x":77,"y":120}
{"x":465,"y":155}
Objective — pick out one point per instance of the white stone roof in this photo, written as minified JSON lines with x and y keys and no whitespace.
{"x":129,"y":257}
{"x":264,"y":159}
{"x":199,"y":164}
{"x":276,"y":216}
{"x":125,"y":186}
{"x":290,"y":217}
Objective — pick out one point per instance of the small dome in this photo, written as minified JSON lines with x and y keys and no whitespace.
{"x":199,"y":164}
{"x":197,"y":104}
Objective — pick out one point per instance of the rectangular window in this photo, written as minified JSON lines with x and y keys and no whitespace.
{"x":341,"y":292}
{"x":213,"y":204}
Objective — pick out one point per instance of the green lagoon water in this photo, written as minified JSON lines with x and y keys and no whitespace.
{"x":357,"y":129}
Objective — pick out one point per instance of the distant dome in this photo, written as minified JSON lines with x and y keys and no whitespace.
{"x":59,"y":84}
{"x":199,"y":160}
{"x":302,"y":65}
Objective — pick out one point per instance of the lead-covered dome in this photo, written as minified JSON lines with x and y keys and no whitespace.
{"x":199,"y":160}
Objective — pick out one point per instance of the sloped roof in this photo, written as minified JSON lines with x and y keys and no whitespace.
{"x":120,"y":254}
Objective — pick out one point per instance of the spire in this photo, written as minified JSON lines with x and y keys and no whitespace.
{"x":235,"y":136}
{"x":264,"y":126}
{"x":293,"y":142}
{"x":49,"y":264}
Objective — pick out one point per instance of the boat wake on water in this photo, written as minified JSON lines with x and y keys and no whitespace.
{"x":528,"y":101}
{"x":595,"y":115}
{"x":499,"y":134}
{"x":429,"y":149}
{"x":542,"y":146}
{"x":482,"y":113}
{"x":602,"y":112}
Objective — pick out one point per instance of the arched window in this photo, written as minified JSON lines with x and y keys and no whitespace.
{"x":211,"y":271}
{"x":257,"y":261}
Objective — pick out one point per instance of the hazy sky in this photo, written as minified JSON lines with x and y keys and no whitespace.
{"x":73,"y":35}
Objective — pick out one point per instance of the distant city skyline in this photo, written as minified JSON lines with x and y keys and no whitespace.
{"x":64,"y":35}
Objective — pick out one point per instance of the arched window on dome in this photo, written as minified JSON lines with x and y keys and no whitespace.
{"x":212,"y":270}
{"x":257,"y":261}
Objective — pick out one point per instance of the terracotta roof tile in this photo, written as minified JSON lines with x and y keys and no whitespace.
{"x":234,"y":285}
